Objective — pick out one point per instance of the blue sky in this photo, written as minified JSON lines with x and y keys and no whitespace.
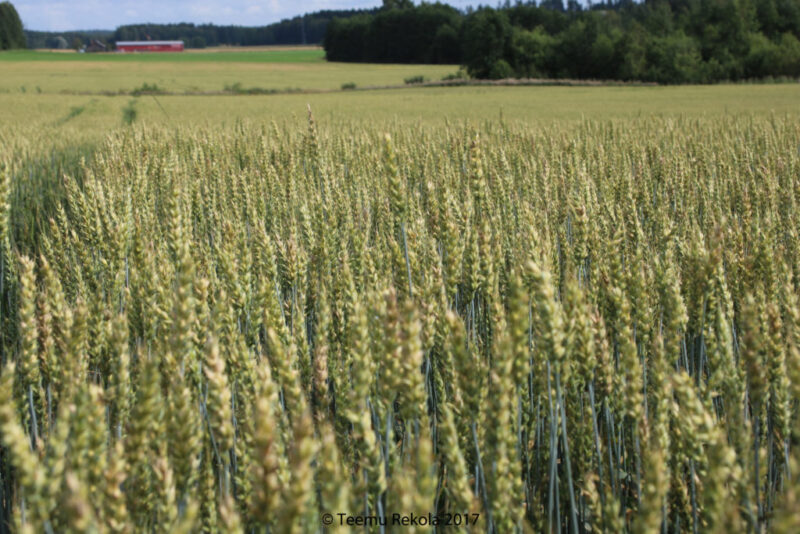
{"x":51,"y":15}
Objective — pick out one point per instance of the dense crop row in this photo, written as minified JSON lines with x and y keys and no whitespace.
{"x":588,"y":327}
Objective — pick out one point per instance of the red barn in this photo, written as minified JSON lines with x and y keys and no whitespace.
{"x":150,"y":46}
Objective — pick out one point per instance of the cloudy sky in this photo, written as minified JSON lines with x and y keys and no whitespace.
{"x":50,"y":15}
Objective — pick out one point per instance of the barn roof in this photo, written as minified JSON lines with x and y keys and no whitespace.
{"x":147,"y":43}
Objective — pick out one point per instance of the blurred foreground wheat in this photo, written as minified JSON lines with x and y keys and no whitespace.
{"x":584,"y":328}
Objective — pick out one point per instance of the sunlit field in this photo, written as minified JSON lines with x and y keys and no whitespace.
{"x":200,"y":71}
{"x":96,"y":114}
{"x":500,"y":309}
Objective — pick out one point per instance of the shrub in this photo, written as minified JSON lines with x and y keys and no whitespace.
{"x":415,"y":80}
{"x":501,"y":70}
{"x":147,"y":89}
{"x":460,"y":74}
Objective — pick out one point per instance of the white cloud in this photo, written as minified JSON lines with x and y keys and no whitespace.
{"x":51,"y":15}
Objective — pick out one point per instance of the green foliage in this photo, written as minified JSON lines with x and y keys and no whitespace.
{"x":531,"y":52}
{"x":238,"y":89}
{"x":501,"y":70}
{"x":675,"y":58}
{"x":486,"y":41}
{"x":446,"y":47}
{"x":414,"y":79}
{"x":664,"y":41}
{"x":11,"y":34}
{"x":147,"y":89}
{"x":427,"y":33}
{"x":397,"y":4}
{"x":129,"y":112}
{"x":198,"y":41}
{"x":768,"y":58}
{"x":460,"y":74}
{"x":348,"y":86}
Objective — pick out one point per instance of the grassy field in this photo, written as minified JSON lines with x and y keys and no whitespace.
{"x":554,"y":309}
{"x":44,"y":87}
{"x":236,"y":55}
{"x":427,"y":105}
{"x":55,"y":72}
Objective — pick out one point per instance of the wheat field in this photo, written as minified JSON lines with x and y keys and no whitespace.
{"x":591,"y":326}
{"x":199,"y":71}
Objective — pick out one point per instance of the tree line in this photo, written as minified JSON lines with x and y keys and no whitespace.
{"x":665,"y":41}
{"x":305,"y":29}
{"x":428,"y":33}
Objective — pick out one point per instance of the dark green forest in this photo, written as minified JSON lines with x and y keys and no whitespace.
{"x":304,"y":29}
{"x":665,"y":41}
{"x":11,"y":34}
{"x":309,"y":28}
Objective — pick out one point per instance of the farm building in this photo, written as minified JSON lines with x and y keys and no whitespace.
{"x":96,"y":46}
{"x":150,"y":46}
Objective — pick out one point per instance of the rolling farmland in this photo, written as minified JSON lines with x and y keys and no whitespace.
{"x":546,"y":309}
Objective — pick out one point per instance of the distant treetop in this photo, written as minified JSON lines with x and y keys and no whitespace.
{"x":664,"y":41}
{"x":11,"y":34}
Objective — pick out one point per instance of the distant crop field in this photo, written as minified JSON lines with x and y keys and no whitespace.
{"x":246,"y":55}
{"x":206,"y":71}
{"x":540,"y":105}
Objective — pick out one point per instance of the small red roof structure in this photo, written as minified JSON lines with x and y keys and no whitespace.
{"x":149,"y":46}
